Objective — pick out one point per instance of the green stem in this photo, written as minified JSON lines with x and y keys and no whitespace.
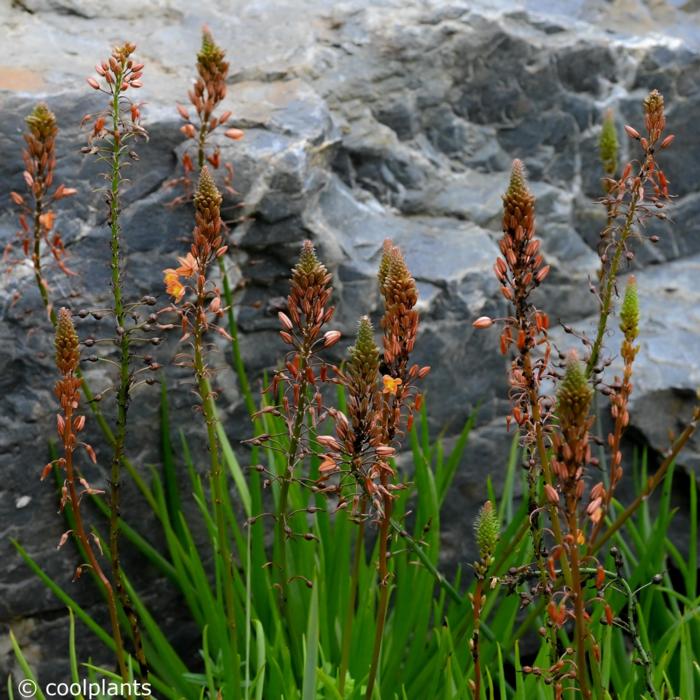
{"x":36,"y":260}
{"x":218,"y":484}
{"x":544,"y":462}
{"x":425,"y":560}
{"x":651,"y":484}
{"x":383,"y":597}
{"x":636,"y":640}
{"x":580,"y":622}
{"x":350,"y":612}
{"x":610,"y":280}
{"x":281,"y":516}
{"x":124,"y":383}
{"x":476,"y":612}
{"x":81,"y":534}
{"x":201,"y":143}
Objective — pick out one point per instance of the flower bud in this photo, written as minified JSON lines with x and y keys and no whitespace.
{"x":285,"y":320}
{"x":551,"y":493}
{"x":483,"y":322}
{"x":67,"y":344}
{"x":487,"y":530}
{"x":574,"y":394}
{"x":330,"y":338}
{"x":608,"y":146}
{"x":629,"y":312}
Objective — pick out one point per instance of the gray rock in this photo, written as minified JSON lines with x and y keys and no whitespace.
{"x":363,"y":121}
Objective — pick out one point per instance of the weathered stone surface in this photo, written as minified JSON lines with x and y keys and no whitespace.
{"x":363,"y":121}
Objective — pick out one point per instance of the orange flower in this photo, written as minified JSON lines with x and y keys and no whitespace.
{"x":47,"y":220}
{"x":391,"y":385}
{"x":173,"y":286}
{"x":188,"y":266}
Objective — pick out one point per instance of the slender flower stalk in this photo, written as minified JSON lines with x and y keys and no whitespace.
{"x":359,"y":435}
{"x":69,"y":426}
{"x":307,"y":313}
{"x":619,"y":398}
{"x":630,"y":201}
{"x":487,"y":530}
{"x":520,"y":270}
{"x":206,"y":95}
{"x":114,"y":129}
{"x":400,"y":326}
{"x":197,"y":317}
{"x":36,"y":206}
{"x":608,"y":150}
{"x":572,"y":455}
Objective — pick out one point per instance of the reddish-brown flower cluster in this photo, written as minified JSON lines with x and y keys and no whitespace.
{"x":377,"y":412}
{"x":208,"y":92}
{"x":119,"y":70}
{"x":620,"y":392}
{"x":520,"y":271}
{"x":360,"y":432}
{"x":400,"y":325}
{"x":635,"y":197}
{"x":40,"y":162}
{"x":69,"y":427}
{"x":207,"y":245}
{"x":117,"y":74}
{"x":307,"y":313}
{"x":570,"y":441}
{"x":68,"y":394}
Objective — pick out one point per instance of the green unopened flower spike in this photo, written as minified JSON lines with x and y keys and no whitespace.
{"x":364,"y":355}
{"x":67,"y":344}
{"x":207,"y":199}
{"x":608,"y":145}
{"x":42,"y":122}
{"x":487,"y":529}
{"x":309,"y":271}
{"x":574,"y":395}
{"x":363,"y":394}
{"x":629,"y":312}
{"x":518,"y":201}
{"x":211,"y":56}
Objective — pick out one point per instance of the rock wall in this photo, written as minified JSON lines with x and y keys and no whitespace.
{"x":396,"y":120}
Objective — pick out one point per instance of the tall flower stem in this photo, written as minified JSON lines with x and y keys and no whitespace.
{"x":206,"y":246}
{"x":609,"y":290}
{"x":383,"y":605}
{"x":121,"y":65}
{"x":579,"y":604}
{"x":281,"y":525}
{"x":36,"y":260}
{"x":67,"y":357}
{"x":307,"y":302}
{"x":352,"y":599}
{"x":652,"y":483}
{"x":546,"y":469}
{"x":486,"y":528}
{"x":218,"y":486}
{"x":400,"y":325}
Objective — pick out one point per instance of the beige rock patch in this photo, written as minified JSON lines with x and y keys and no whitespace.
{"x":20,"y":79}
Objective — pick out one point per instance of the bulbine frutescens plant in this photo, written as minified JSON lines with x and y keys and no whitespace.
{"x":556,"y":430}
{"x":37,"y":216}
{"x":328,"y":585}
{"x":110,"y":139}
{"x":75,"y":485}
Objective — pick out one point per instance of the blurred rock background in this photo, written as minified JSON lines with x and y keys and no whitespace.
{"x":363,"y":121}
